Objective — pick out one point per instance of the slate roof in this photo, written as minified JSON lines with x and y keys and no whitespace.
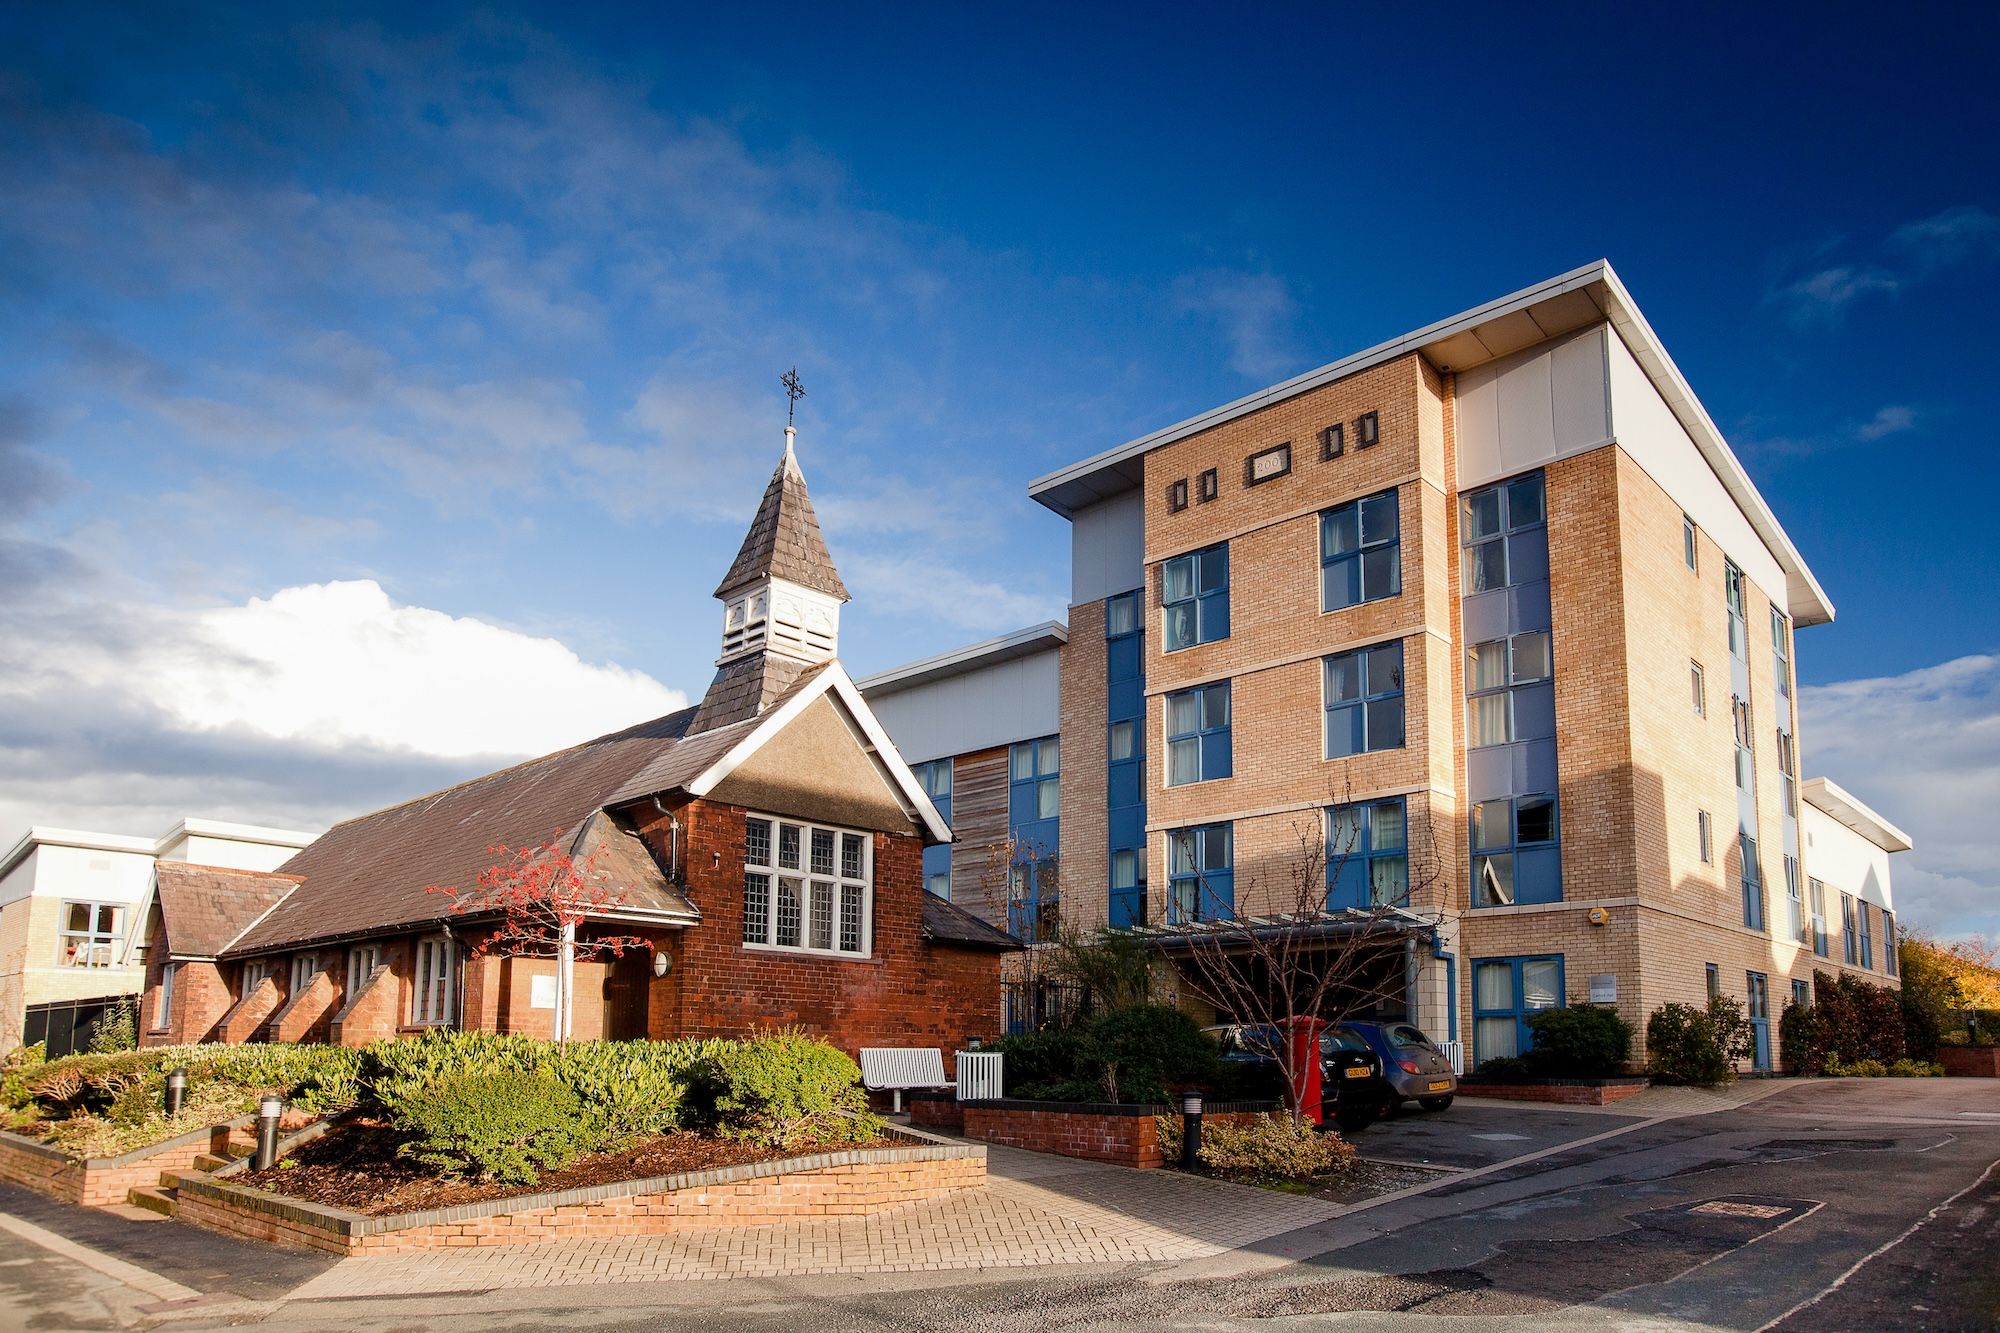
{"x":744,"y":689}
{"x":205,"y":907}
{"x":784,"y":539}
{"x":369,"y":874}
{"x":947,"y":921}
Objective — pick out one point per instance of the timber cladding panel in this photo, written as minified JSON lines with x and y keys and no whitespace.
{"x":979,"y":825}
{"x":855,"y":1183}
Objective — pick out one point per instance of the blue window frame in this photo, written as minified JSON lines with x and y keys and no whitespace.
{"x":1505,"y":991}
{"x":1890,"y":962}
{"x":1850,"y":953}
{"x":1781,"y":653}
{"x":1865,"y":911}
{"x":1753,"y":884}
{"x":1360,"y":552}
{"x":1515,"y":858}
{"x":1033,"y":809}
{"x":1198,"y":744}
{"x":1201,"y":874}
{"x":1510,"y":691}
{"x":1733,"y":595}
{"x":1801,"y":992}
{"x":1367,"y":855}
{"x":1128,"y":888}
{"x":1364,"y":700}
{"x":1758,"y":1010}
{"x":935,"y":778}
{"x":1505,"y":531}
{"x":1817,"y":895}
{"x":1795,"y":917}
{"x":1194,"y":591}
{"x":1125,"y":724}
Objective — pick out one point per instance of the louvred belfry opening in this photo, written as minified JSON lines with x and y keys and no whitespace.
{"x":781,"y":603}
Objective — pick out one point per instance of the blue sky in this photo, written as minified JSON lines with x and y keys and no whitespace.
{"x":362,"y":344}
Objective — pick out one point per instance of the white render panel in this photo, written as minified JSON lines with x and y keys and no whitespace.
{"x":232,"y":853}
{"x":19,"y":882}
{"x":1107,"y":548}
{"x":1843,"y":860}
{"x":1549,"y":402}
{"x":85,"y":874}
{"x":975,"y":710}
{"x":1648,"y":431}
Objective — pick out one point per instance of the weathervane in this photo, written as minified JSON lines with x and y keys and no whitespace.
{"x":793,"y":390}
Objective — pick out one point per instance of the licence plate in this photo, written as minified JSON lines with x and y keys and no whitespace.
{"x":1357,"y":1071}
{"x":1438,"y":1084}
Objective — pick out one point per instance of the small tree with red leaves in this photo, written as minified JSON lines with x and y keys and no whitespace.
{"x":541,"y":895}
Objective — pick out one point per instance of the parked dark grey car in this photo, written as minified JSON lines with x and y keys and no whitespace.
{"x":1412,"y":1065}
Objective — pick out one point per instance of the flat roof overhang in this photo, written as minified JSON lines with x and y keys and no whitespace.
{"x":1048,"y":635}
{"x":1562,"y":304}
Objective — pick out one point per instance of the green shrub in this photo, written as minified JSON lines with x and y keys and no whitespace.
{"x":502,"y":1126}
{"x":1802,"y":1038}
{"x":1265,"y":1147}
{"x":1036,"y":1062}
{"x":117,"y":1029}
{"x":1699,"y":1047}
{"x":1916,"y":1069}
{"x":1505,"y":1069}
{"x":791,"y":1090}
{"x":1582,"y":1041}
{"x":1144,"y":1052}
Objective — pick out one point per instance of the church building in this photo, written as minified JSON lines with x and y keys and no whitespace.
{"x":765,"y":848}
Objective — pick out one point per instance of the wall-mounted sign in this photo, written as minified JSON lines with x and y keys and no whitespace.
{"x":1604,"y":990}
{"x":542,"y":993}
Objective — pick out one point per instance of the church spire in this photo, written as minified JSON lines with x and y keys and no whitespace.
{"x":781,"y":597}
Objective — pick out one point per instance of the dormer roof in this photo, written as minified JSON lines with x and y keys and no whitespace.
{"x":784,"y":540}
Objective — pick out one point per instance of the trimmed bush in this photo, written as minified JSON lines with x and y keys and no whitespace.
{"x":1266,"y":1147}
{"x":1505,"y":1069}
{"x":1036,"y":1062}
{"x":1141,"y":1053}
{"x":791,"y":1090}
{"x":501,"y":1126}
{"x":1582,"y":1041}
{"x":1698,"y":1047}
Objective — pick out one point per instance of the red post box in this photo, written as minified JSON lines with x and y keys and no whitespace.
{"x":1302,"y":1039}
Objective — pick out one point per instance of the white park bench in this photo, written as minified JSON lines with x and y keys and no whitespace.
{"x":897,"y":1069}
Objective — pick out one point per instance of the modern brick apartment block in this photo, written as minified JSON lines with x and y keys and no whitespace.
{"x":766,"y":845}
{"x":1492,"y":614}
{"x":72,"y":936}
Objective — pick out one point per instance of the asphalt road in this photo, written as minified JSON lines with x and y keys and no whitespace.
{"x":1862,"y":1205}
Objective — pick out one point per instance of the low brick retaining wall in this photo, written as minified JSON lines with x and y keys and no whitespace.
{"x":1563,"y":1091}
{"x":106,"y":1180}
{"x":937,"y":1110}
{"x":1970,"y":1061}
{"x":853,"y":1183}
{"x":1100,"y":1132}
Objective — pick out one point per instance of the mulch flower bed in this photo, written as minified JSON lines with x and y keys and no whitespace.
{"x":355,"y":1167}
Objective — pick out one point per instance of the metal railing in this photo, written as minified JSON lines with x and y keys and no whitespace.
{"x":979,"y":1075}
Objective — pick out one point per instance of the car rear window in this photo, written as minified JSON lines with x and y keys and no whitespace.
{"x":1341,"y":1041}
{"x":1402,"y":1034}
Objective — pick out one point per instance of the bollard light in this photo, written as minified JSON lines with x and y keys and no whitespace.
{"x":1190,"y":1131}
{"x":269,"y":1110}
{"x":177,"y":1083}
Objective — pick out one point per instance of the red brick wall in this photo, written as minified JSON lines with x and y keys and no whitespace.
{"x":1580,"y":1094}
{"x":251,"y":1012}
{"x":98,"y":1184}
{"x":373,"y":1012}
{"x":1128,"y":1140}
{"x":308,"y":1015}
{"x":905,"y":993}
{"x":201,"y":998}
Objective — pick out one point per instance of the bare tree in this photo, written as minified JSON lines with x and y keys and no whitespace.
{"x":1292,"y":956}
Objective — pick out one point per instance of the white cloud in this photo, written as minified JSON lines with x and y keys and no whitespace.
{"x":1891,"y":420}
{"x":313,"y":704}
{"x":1924,"y":749}
{"x":1254,"y":312}
{"x":1912,"y":253}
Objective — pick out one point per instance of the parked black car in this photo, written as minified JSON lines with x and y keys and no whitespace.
{"x":1412,"y":1065}
{"x":1353,"y":1093}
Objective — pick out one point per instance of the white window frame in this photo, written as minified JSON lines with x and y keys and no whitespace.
{"x":93,"y":946}
{"x":434,"y":994}
{"x":256,"y":970}
{"x":163,"y":1007}
{"x":305,"y":966}
{"x":356,"y":972}
{"x":805,"y":877}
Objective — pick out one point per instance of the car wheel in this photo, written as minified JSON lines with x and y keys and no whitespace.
{"x":1435,"y":1103}
{"x":1356,"y":1119}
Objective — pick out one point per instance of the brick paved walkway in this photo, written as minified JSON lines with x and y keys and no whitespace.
{"x":1035,"y":1210}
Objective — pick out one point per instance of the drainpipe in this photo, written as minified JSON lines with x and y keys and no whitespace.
{"x":1410,"y":980}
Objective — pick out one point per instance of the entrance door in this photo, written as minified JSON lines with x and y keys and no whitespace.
{"x":1760,"y":1021}
{"x":627,"y":986}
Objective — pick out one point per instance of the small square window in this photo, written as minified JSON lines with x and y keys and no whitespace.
{"x":1367,"y":429}
{"x":1207,"y":487}
{"x":1332,"y":442}
{"x":1177,"y":496}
